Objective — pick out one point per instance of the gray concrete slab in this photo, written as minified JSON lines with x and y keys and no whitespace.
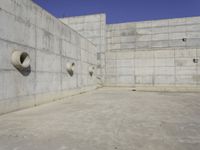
{"x":107,"y":119}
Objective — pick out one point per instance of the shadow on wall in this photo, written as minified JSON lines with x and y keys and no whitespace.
{"x":91,"y":70}
{"x":25,"y":71}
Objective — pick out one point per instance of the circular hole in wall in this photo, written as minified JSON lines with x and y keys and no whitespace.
{"x":70,"y":68}
{"x":91,"y":70}
{"x":25,"y":59}
{"x":21,"y":61}
{"x":195,"y":60}
{"x":184,"y":39}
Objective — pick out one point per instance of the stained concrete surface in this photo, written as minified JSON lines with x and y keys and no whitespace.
{"x":107,"y":119}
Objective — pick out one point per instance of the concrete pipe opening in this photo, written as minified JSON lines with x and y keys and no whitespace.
{"x":21,"y":60}
{"x":70,"y":68}
{"x":91,"y":70}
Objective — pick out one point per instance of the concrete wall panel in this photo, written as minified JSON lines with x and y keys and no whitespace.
{"x":93,"y":27}
{"x":50,"y":44}
{"x":162,"y":50}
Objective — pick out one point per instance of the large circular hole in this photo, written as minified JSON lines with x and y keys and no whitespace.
{"x":21,"y":60}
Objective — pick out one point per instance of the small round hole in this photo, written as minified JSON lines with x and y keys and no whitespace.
{"x":70,"y":68}
{"x":195,"y":60}
{"x":91,"y":70}
{"x":184,"y":39}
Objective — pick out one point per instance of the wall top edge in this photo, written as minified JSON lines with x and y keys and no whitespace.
{"x":149,"y":21}
{"x":88,"y":15}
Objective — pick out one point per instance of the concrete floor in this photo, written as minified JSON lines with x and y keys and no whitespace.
{"x":107,"y":119}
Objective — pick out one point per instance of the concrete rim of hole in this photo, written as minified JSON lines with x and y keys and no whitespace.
{"x":20,"y":59}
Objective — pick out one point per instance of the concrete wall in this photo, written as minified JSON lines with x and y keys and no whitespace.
{"x":93,"y":27}
{"x":153,"y":53}
{"x":26,"y":27}
{"x":141,"y":54}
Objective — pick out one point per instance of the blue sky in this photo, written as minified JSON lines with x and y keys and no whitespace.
{"x":123,"y":10}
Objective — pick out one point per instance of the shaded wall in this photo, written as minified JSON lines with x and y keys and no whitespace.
{"x":93,"y":27}
{"x":26,"y":27}
{"x":154,"y":53}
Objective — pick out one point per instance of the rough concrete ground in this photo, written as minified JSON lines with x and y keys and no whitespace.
{"x":107,"y":119}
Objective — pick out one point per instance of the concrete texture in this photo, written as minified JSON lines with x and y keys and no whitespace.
{"x":149,"y":53}
{"x":153,"y":53}
{"x":26,"y":27}
{"x":93,"y":27}
{"x":107,"y":119}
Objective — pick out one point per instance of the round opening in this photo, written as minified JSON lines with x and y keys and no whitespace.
{"x":24,"y":59}
{"x":195,"y":60}
{"x":91,"y":70}
{"x":184,"y":39}
{"x":70,"y":68}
